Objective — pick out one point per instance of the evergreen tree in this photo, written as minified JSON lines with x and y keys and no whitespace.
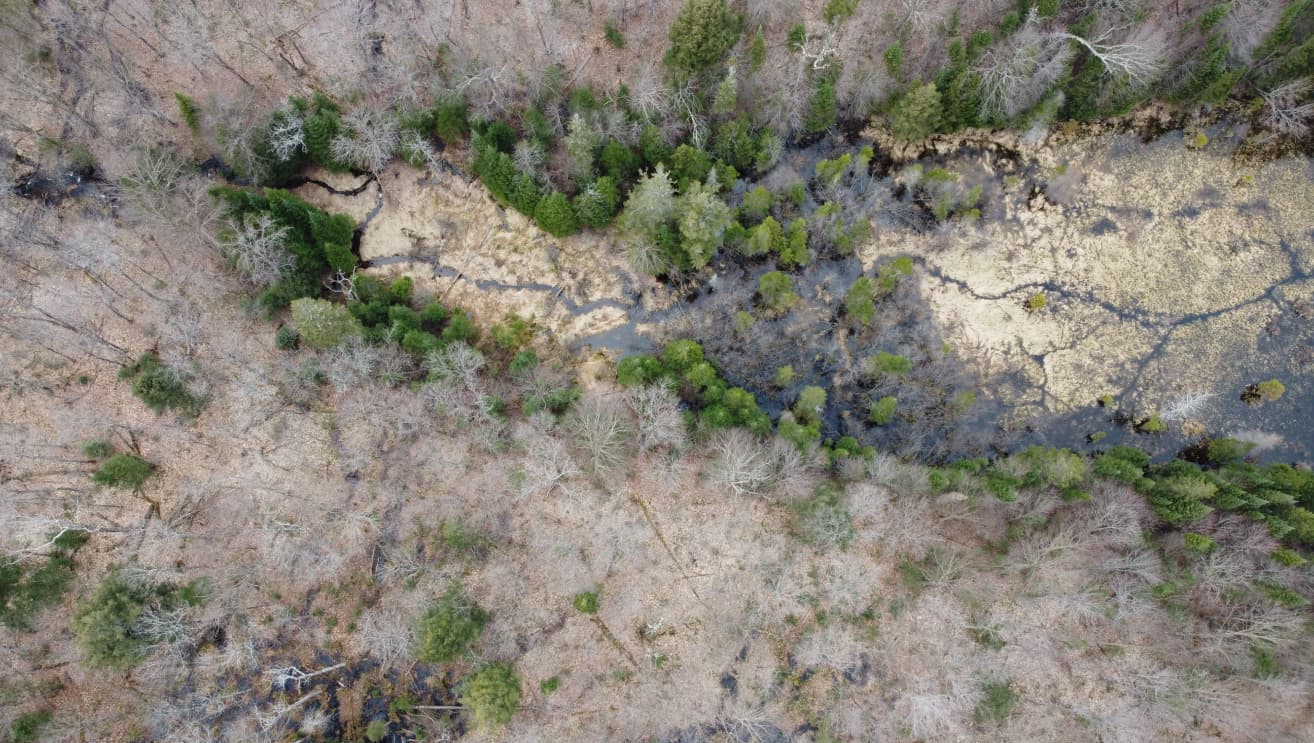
{"x":701,"y":36}
{"x":555,"y":216}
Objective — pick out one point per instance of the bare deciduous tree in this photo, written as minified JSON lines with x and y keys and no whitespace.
{"x":372,"y":140}
{"x":742,"y":463}
{"x":660,"y":421}
{"x":287,"y":135}
{"x":1020,"y":69}
{"x":548,"y":466}
{"x":600,"y":428}
{"x":149,"y":189}
{"x":258,"y":249}
{"x":1138,"y":59}
{"x":1289,"y":108}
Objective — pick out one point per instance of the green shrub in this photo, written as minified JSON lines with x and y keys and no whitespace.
{"x":524,"y":195}
{"x":701,"y":36}
{"x":619,"y":161}
{"x":890,"y":363}
{"x":757,"y":51}
{"x":523,"y":363}
{"x":997,"y":702}
{"x":794,"y":247}
{"x":683,"y":354}
{"x":191,"y":114}
{"x":1003,"y":485}
{"x":26,"y":728}
{"x":1227,"y":451}
{"x":106,"y":624}
{"x":97,"y":449}
{"x":496,"y":170}
{"x":1267,"y":391}
{"x":638,"y":370}
{"x":1197,"y":542}
{"x":838,"y":11}
{"x":893,"y":56}
{"x":324,"y":324}
{"x":811,"y":404}
{"x":376,"y":731}
{"x":287,"y":338}
{"x":556,"y":401}
{"x":821,"y":108}
{"x":784,"y":376}
{"x":586,"y":602}
{"x":26,"y":591}
{"x":743,"y":322}
{"x":1266,"y":663}
{"x":460,"y":538}
{"x":756,"y":205}
{"x":450,"y":626}
{"x":450,"y":119}
{"x":882,"y":411}
{"x":123,"y":471}
{"x":689,"y":165}
{"x":614,"y":36}
{"x":1153,"y":424}
{"x":492,"y":695}
{"x":1288,"y":558}
{"x":1051,"y":467}
{"x":766,"y":237}
{"x":1180,"y":492}
{"x":776,"y":292}
{"x":320,"y":128}
{"x":512,"y":334}
{"x":703,"y":219}
{"x":547,"y":686}
{"x":653,"y":146}
{"x":160,"y":387}
{"x":1122,"y":463}
{"x":859,"y":303}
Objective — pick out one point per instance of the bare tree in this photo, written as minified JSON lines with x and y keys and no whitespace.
{"x":372,"y":140}
{"x":649,"y":96}
{"x":1186,"y":406}
{"x":1245,"y":627}
{"x":417,"y":148}
{"x":458,"y":363}
{"x":238,"y":126}
{"x":1246,"y":24}
{"x":1138,"y":59}
{"x":1018,"y":71}
{"x":150,"y":187}
{"x":287,"y":135}
{"x":660,"y":420}
{"x":742,"y":463}
{"x":600,"y":428}
{"x":548,"y":467}
{"x":258,"y":249}
{"x":1289,"y":108}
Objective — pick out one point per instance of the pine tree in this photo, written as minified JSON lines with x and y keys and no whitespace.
{"x":555,"y":216}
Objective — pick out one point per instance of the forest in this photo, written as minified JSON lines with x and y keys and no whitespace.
{"x":619,"y":370}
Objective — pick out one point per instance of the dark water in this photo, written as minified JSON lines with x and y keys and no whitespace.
{"x":951,"y":404}
{"x":826,"y":349}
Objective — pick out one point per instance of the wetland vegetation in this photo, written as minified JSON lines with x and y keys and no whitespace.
{"x":843,"y":370}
